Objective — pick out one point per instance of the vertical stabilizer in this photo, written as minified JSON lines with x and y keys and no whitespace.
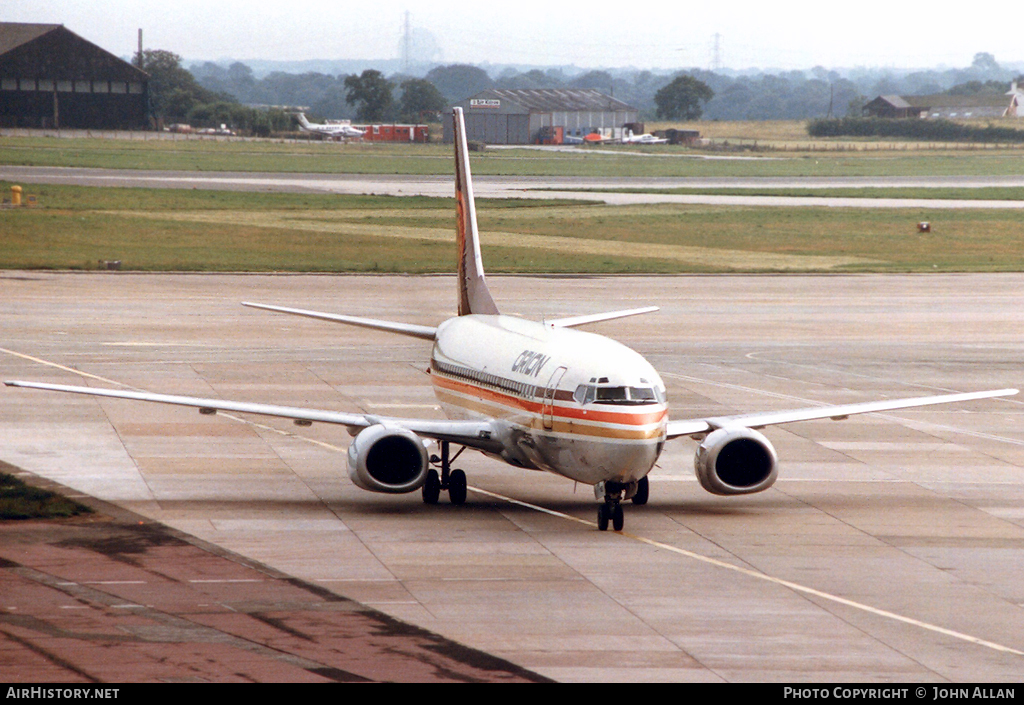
{"x":474,"y":297}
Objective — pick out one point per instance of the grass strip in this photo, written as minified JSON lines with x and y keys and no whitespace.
{"x":183,"y":230}
{"x":19,"y":500}
{"x":436,"y":159}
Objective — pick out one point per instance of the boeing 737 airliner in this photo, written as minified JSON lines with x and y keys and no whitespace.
{"x":542,"y":396}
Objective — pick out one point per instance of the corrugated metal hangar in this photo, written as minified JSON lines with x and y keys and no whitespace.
{"x":498,"y":116}
{"x":51,"y":77}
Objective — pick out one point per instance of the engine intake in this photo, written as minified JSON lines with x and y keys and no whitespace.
{"x":382,"y":459}
{"x":736,"y":461}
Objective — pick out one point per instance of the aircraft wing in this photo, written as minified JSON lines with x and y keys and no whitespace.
{"x":475,"y":434}
{"x":693,"y":427}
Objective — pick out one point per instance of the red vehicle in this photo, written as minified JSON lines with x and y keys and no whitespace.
{"x":395,"y":133}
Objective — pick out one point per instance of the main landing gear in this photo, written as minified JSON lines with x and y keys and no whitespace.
{"x":610,"y":512}
{"x":451,"y":481}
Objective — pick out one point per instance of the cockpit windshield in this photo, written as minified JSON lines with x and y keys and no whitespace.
{"x":612,"y":395}
{"x":625,"y":396}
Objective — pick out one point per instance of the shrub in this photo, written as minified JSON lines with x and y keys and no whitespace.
{"x":931,"y":130}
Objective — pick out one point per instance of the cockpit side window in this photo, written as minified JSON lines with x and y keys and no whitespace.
{"x":644,"y":395}
{"x":584,"y":393}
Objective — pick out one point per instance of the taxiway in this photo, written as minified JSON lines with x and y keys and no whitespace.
{"x":891,"y":548}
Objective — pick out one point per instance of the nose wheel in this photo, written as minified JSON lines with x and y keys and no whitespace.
{"x":451,"y":481}
{"x":610,"y":512}
{"x":613,"y":494}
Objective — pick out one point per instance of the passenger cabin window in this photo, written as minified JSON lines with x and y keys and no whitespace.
{"x":626,"y":396}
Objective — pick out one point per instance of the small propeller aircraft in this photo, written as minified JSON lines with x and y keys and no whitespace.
{"x":330,"y":130}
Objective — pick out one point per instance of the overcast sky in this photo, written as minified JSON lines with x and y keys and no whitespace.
{"x":789,"y":34}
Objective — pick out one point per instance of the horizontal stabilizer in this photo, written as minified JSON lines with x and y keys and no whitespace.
{"x":595,"y":317}
{"x":424,"y":332}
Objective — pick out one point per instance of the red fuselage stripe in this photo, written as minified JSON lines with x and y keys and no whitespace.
{"x":570,"y":413}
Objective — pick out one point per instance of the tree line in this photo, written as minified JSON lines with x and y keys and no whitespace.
{"x":209,"y":93}
{"x":371,"y":96}
{"x":175,"y":96}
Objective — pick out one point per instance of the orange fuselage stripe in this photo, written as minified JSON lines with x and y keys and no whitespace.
{"x":561,"y":413}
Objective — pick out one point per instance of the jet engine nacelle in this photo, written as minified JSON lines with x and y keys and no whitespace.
{"x":383,"y":459}
{"x":736,"y":461}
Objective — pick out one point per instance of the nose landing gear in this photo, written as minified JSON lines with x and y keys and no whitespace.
{"x":610,"y":511}
{"x":613,"y":494}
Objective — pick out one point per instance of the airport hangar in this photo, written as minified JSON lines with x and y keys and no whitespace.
{"x":52,"y":78}
{"x":500,"y":116}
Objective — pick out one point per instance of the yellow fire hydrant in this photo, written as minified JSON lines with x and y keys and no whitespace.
{"x":15,"y":195}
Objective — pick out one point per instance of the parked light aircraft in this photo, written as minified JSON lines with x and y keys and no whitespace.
{"x":538,"y":395}
{"x":589,"y":138}
{"x":339,"y":130}
{"x":646,"y":138}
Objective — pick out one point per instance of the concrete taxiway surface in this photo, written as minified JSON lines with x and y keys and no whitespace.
{"x":891,"y":548}
{"x":540,"y":187}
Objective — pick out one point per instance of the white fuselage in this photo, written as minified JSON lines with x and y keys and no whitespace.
{"x":335,"y":130}
{"x":338,"y":130}
{"x":574,"y":403}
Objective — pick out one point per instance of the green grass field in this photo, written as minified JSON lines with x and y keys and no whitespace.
{"x":184,"y":230}
{"x":612,"y":160}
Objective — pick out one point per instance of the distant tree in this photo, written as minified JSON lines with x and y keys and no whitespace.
{"x":976,"y":87}
{"x":596,"y":80}
{"x":459,"y":81}
{"x":330,"y":101}
{"x":173,"y":90}
{"x":371,"y":93}
{"x":240,"y":74}
{"x":683,"y":98}
{"x":530,"y":80}
{"x":985,"y":62}
{"x":175,"y":105}
{"x":419,"y":96}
